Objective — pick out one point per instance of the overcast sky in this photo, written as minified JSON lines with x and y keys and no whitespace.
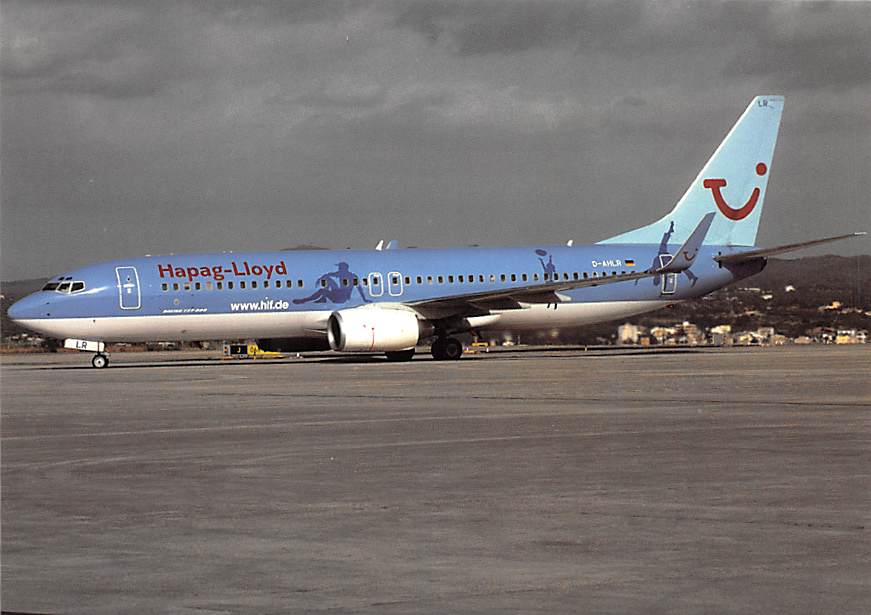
{"x":152,"y":127}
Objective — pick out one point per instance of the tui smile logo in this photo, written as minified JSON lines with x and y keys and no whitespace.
{"x":730,"y":212}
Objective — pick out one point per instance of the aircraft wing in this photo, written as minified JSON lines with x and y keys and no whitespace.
{"x":514,"y":298}
{"x":742,"y":257}
{"x":482,"y":302}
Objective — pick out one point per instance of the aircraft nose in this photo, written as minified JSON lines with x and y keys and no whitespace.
{"x":31,"y":306}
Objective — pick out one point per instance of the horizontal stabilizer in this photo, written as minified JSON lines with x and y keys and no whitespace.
{"x":742,"y":257}
{"x":687,"y":253}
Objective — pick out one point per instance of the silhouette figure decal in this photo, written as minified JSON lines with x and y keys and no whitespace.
{"x":663,"y":249}
{"x":548,"y":267}
{"x":335,"y":287}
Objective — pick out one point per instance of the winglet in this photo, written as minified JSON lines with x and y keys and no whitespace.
{"x":687,"y":253}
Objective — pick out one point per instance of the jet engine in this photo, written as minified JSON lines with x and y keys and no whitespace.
{"x":373,"y":329}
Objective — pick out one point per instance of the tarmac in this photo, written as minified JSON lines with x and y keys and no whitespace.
{"x":688,"y":481}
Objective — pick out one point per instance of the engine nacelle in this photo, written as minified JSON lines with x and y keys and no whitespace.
{"x":372,"y":329}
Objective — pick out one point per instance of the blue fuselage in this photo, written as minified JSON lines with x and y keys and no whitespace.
{"x":276,"y":294}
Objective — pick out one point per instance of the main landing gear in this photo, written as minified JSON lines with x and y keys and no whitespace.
{"x":100,"y":360}
{"x":447,"y":349}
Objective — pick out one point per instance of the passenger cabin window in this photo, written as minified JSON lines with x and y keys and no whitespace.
{"x":175,"y":285}
{"x":450,"y":279}
{"x":265,"y":283}
{"x":277,"y":283}
{"x":242,"y":284}
{"x":220,"y":285}
{"x":524,"y":277}
{"x":164,"y":287}
{"x":441,"y":279}
{"x":230,"y":285}
{"x":253,"y":283}
{"x":419,"y":280}
{"x":300,"y":283}
{"x":197,"y":286}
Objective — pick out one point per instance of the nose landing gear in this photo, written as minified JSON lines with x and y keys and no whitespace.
{"x":100,"y":360}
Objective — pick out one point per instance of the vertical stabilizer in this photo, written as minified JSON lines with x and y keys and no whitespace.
{"x":732,"y":185}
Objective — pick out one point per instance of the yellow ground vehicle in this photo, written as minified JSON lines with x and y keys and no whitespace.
{"x":248,"y":350}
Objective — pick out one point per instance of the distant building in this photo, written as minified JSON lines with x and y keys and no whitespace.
{"x":851,"y":336}
{"x":628,"y":333}
{"x":765,"y":334}
{"x":661,"y":334}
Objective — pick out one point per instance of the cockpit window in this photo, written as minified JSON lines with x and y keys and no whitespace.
{"x":65,"y":286}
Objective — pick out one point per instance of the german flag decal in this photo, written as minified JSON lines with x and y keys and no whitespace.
{"x":629,"y":262}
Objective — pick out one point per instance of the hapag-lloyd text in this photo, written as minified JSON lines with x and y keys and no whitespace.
{"x":219,"y":272}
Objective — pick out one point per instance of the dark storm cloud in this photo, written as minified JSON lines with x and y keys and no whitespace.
{"x":197,"y":125}
{"x":93,"y":50}
{"x":509,"y":27}
{"x":822,"y":47}
{"x":804,"y":45}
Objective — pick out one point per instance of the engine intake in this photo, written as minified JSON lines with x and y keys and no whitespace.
{"x":372,"y":329}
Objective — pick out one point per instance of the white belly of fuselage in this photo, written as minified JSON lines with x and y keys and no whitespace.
{"x":540,"y":316}
{"x":188,"y":327}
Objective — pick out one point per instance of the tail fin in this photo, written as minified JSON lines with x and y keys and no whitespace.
{"x":731,"y":184}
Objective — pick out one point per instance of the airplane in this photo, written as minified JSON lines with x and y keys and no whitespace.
{"x":390,"y":299}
